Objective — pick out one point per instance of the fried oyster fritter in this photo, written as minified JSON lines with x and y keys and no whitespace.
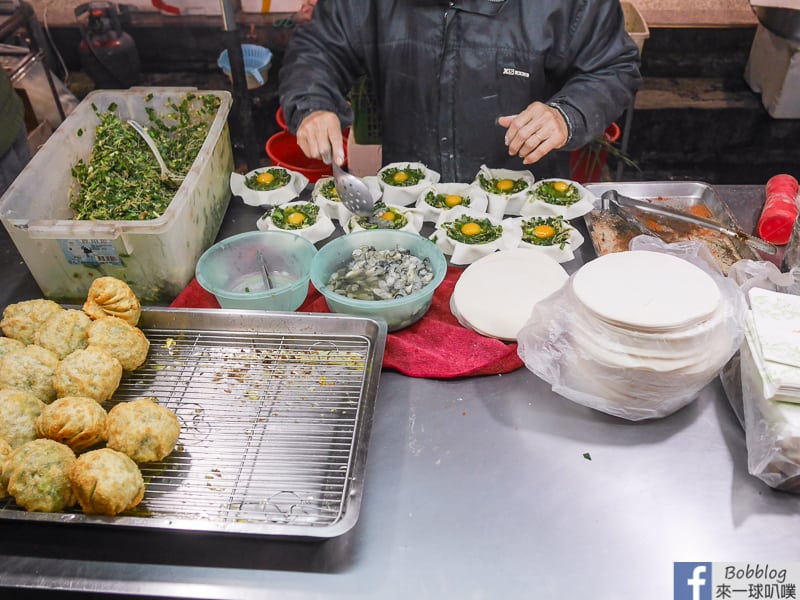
{"x":5,"y":450}
{"x":36,"y":475}
{"x":8,"y":344}
{"x":76,"y":421}
{"x":142,"y":429}
{"x":30,"y":369}
{"x":90,"y":372}
{"x":22,"y":319}
{"x":18,"y":413}
{"x":109,"y":296}
{"x":106,"y":482}
{"x":64,"y":332}
{"x":126,"y":342}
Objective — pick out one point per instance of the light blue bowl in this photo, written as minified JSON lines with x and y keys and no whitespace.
{"x":399,"y":312}
{"x":230,"y":270}
{"x":257,"y":60}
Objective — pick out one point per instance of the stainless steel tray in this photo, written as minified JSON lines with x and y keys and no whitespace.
{"x":682,"y":195}
{"x":275,"y":412}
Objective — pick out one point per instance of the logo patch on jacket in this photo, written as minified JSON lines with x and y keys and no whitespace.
{"x":515,"y":72}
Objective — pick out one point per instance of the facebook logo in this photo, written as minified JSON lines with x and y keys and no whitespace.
{"x":692,"y":581}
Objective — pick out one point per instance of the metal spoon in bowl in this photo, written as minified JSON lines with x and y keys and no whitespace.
{"x":264,"y":271}
{"x":166,"y":174}
{"x":353,"y":192}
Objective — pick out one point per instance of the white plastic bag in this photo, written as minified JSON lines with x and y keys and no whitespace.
{"x":650,"y":376}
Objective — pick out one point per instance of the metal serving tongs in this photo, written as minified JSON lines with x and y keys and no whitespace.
{"x":612,"y":197}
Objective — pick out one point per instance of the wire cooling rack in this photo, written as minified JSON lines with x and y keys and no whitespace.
{"x":275,"y":412}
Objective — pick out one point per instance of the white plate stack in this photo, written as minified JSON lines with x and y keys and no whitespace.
{"x":650,"y":330}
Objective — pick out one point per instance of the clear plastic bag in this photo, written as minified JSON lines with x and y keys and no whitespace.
{"x":628,"y":374}
{"x":772,"y":429}
{"x":762,"y":274}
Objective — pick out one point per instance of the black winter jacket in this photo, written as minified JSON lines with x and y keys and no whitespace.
{"x":445,"y":71}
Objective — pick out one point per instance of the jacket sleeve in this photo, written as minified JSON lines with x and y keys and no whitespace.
{"x":320,"y":64}
{"x":599,"y":65}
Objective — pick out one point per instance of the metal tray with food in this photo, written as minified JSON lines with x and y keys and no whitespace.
{"x":275,"y":412}
{"x":610,"y":232}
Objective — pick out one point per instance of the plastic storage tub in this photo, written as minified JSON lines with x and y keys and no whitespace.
{"x":156,"y":257}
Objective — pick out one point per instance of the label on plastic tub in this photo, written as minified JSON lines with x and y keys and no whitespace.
{"x":90,"y":252}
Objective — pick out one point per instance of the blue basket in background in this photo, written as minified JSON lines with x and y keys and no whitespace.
{"x":257,"y":60}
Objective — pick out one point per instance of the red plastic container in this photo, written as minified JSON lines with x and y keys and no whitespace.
{"x":280,"y":120}
{"x":283,"y":150}
{"x":586,"y":164}
{"x":782,"y":183}
{"x":780,"y":210}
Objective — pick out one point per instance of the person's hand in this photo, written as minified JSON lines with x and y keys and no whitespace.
{"x":320,"y":136}
{"x":306,"y":11}
{"x":534,"y":132}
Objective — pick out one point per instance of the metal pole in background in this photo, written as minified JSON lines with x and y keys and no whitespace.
{"x":242,"y":103}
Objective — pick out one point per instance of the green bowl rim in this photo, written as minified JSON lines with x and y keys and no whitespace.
{"x":428,"y":290}
{"x":258,"y":295}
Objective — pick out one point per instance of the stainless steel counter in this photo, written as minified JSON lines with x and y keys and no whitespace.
{"x":489,"y":487}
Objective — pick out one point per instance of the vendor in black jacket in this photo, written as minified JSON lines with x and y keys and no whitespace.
{"x":464,"y":83}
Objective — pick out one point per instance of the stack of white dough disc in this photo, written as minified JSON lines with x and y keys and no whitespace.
{"x":496,"y":294}
{"x":647,"y":326}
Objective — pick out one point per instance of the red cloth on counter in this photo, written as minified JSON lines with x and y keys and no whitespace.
{"x":435,"y":347}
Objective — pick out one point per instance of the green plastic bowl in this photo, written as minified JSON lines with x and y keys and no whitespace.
{"x":230,"y":270}
{"x":399,"y":312}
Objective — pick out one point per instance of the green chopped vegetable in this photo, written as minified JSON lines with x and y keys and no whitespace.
{"x":445,"y":201}
{"x":384,"y":217}
{"x":328,"y":189}
{"x":502,"y":186}
{"x":471,"y":230}
{"x":295,"y":216}
{"x":268,"y":179}
{"x":121,"y":179}
{"x":402,"y":177}
{"x":546,"y":231}
{"x":560,"y":193}
{"x":587,"y":456}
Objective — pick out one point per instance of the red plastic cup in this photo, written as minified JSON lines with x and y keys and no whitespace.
{"x":776,"y":226}
{"x":783,"y":184}
{"x":780,"y":209}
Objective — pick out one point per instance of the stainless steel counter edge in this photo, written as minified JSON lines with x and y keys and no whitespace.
{"x":489,"y":487}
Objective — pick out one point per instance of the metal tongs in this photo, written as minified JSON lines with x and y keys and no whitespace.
{"x":613,"y":199}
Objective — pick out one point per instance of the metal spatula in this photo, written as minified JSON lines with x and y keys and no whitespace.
{"x":353,"y":192}
{"x":664,"y":211}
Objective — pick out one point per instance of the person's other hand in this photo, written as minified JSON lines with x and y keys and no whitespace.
{"x":320,"y":136}
{"x":534,"y":132}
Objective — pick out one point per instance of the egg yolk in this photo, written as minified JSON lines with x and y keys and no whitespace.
{"x":470,"y":229}
{"x":295,"y":218}
{"x":400,"y":177}
{"x":265,"y":177}
{"x":504,"y":185}
{"x":453,"y":200}
{"x":561,"y":186}
{"x":389,"y":216}
{"x":543,"y":232}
